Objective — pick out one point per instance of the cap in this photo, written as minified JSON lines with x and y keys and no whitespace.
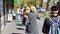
{"x":54,"y":8}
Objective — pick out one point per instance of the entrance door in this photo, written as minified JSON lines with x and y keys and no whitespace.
{"x":58,"y":5}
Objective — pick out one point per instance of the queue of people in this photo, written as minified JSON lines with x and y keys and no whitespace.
{"x":30,"y":21}
{"x":29,"y":17}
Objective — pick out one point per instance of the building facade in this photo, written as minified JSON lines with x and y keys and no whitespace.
{"x":58,"y":5}
{"x":1,"y":14}
{"x":5,"y":5}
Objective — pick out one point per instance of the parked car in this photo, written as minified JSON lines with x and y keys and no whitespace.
{"x":40,"y":10}
{"x":43,"y":9}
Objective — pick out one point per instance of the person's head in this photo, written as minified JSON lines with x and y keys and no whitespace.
{"x":54,"y":11}
{"x":17,"y":7}
{"x":33,"y":9}
{"x":27,"y":9}
{"x":22,"y":5}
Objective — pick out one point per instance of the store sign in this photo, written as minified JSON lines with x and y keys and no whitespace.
{"x":16,"y":1}
{"x":56,"y":1}
{"x":45,"y":0}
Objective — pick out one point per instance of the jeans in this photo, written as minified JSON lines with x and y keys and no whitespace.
{"x":21,"y":17}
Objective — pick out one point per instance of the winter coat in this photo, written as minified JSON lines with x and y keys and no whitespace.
{"x":33,"y":23}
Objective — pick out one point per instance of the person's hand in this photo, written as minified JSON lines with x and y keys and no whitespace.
{"x":38,"y":18}
{"x":25,"y":16}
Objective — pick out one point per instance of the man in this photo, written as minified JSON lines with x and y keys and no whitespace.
{"x":14,"y":15}
{"x":48,"y":22}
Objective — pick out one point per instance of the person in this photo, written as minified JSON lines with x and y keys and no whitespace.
{"x":43,"y":9}
{"x":22,"y":11}
{"x":18,"y":13}
{"x":49,"y":21}
{"x":14,"y":14}
{"x":25,"y":15}
{"x":33,"y":27}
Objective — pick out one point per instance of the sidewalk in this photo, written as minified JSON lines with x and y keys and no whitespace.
{"x":12,"y":28}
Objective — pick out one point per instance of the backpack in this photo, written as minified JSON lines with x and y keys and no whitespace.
{"x":54,"y":28}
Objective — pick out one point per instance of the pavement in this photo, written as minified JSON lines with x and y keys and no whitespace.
{"x":12,"y":27}
{"x":40,"y":25}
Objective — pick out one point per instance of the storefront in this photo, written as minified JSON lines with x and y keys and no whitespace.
{"x":8,"y":4}
{"x":5,"y":5}
{"x":1,"y":15}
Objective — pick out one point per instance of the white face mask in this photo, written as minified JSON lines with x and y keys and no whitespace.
{"x":56,"y":11}
{"x":55,"y":14}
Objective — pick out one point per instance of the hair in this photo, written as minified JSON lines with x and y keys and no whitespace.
{"x":54,"y":8}
{"x":32,"y":8}
{"x":27,"y":9}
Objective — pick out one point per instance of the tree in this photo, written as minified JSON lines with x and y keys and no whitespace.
{"x":48,"y":5}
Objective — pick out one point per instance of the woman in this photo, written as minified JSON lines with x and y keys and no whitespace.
{"x":25,"y":15}
{"x":33,"y":21}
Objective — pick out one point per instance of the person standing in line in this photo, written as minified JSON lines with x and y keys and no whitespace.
{"x":49,"y":21}
{"x":22,"y":11}
{"x":14,"y":14}
{"x":33,"y":27}
{"x":25,"y":15}
{"x":18,"y":12}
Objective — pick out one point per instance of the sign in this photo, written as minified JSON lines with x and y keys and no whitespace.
{"x":16,"y":1}
{"x":45,"y":0}
{"x":10,"y":17}
{"x":56,"y":1}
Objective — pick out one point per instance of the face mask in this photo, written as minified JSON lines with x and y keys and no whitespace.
{"x":55,"y":14}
